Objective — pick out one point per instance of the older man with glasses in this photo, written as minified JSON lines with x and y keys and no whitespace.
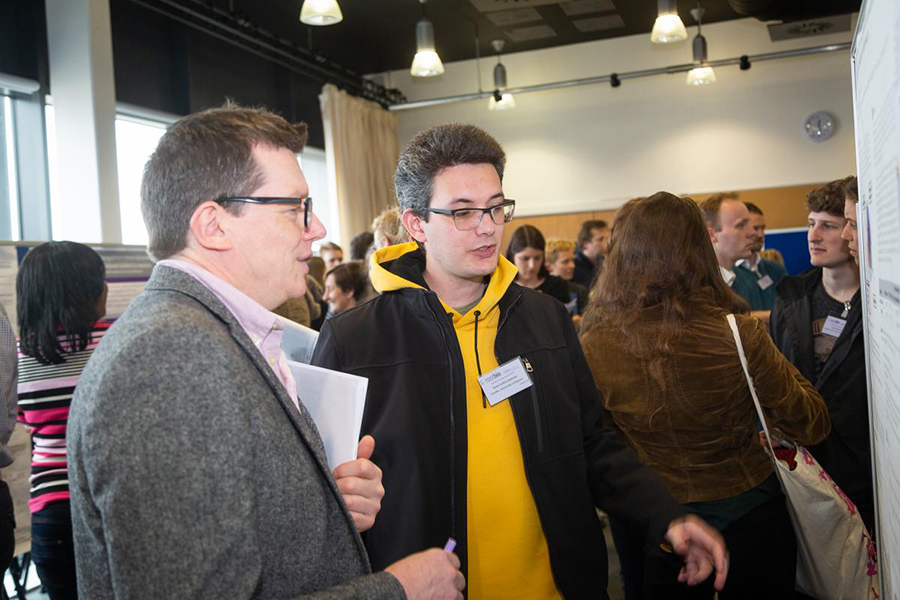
{"x":195,"y":470}
{"x":487,"y":417}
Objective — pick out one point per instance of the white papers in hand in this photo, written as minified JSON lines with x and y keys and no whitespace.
{"x":336,"y":402}
{"x":298,"y":342}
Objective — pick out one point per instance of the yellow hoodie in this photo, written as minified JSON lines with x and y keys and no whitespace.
{"x":508,"y":556}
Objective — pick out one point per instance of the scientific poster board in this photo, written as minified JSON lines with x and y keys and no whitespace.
{"x":875,"y":58}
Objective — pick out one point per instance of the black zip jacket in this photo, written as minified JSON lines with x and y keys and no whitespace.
{"x":845,"y":453}
{"x":404,"y":342}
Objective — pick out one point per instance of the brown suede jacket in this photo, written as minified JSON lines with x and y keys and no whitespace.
{"x":700,"y":433}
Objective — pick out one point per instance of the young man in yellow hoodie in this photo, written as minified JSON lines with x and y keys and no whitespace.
{"x":488,"y":423}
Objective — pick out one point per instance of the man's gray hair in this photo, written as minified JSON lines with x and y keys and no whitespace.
{"x":206,"y":156}
{"x":436,"y":149}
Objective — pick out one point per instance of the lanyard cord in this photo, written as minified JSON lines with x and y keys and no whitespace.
{"x":477,"y":360}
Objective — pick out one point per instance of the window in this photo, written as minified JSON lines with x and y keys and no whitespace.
{"x":9,"y":188}
{"x":135,"y":142}
{"x":312,"y":162}
{"x":56,"y":215}
{"x":136,"y":139}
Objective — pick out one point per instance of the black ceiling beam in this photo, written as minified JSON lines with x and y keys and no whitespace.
{"x":237,"y":30}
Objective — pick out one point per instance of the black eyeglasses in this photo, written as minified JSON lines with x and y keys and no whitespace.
{"x":470,"y":218}
{"x":306,"y":202}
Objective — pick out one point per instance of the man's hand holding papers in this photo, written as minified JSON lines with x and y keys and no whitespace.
{"x":360,"y":483}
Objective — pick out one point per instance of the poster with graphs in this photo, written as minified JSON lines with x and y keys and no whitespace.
{"x":876,"y":105}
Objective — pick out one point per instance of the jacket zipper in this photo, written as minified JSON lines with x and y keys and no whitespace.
{"x":504,"y":314}
{"x":535,"y":405}
{"x":847,"y":308}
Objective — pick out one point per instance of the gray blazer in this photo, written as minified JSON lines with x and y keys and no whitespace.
{"x":192,"y":473}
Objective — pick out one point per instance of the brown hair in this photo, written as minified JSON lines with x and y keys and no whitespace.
{"x":389,"y":225}
{"x":205,"y":156}
{"x":359,"y":245}
{"x":712,"y":205}
{"x":586,"y":228}
{"x":527,"y":236}
{"x":329,"y":247}
{"x":350,"y":277}
{"x":621,"y":215}
{"x":661,"y":255}
{"x":828,"y":199}
{"x":556,"y":245}
{"x":754,"y":209}
{"x":851,"y":189}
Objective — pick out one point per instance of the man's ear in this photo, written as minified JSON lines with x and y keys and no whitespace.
{"x":413,"y":224}
{"x":712,"y":234}
{"x":208,"y":226}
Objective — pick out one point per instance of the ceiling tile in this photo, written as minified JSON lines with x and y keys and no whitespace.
{"x":517,"y":16}
{"x":573,"y":8}
{"x":492,"y":5}
{"x":534,"y":32}
{"x":599,"y":23}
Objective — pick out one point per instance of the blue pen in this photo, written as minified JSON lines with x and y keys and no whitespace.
{"x":450,"y":546}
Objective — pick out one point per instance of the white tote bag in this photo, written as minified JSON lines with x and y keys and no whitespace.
{"x":836,"y":558}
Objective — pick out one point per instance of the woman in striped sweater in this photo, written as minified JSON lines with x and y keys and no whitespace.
{"x":61,"y":297}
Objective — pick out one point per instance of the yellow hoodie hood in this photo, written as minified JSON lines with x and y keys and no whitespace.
{"x":388,"y":272}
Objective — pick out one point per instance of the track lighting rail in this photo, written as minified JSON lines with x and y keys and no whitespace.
{"x":617,"y":78}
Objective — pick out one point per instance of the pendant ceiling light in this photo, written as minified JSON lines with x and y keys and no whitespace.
{"x":500,"y":100}
{"x":320,"y":12}
{"x":702,"y":73}
{"x":668,"y":27}
{"x":427,"y":63}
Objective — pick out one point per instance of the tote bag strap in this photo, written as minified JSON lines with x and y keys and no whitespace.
{"x":740,"y":348}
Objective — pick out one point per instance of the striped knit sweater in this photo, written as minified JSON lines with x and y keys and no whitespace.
{"x":45,"y":393}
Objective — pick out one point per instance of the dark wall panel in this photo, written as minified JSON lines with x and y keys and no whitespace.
{"x":149,"y":59}
{"x":23,"y":38}
{"x":165,"y":65}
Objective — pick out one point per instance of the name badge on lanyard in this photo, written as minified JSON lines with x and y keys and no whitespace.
{"x":765,"y":282}
{"x":834,"y":326}
{"x":506,"y":380}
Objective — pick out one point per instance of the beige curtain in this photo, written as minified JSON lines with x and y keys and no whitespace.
{"x":361,"y":146}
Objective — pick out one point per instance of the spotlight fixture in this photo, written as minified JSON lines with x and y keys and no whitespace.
{"x":500,"y":100}
{"x":702,"y":73}
{"x":668,"y":27}
{"x":320,"y":12}
{"x":427,"y":63}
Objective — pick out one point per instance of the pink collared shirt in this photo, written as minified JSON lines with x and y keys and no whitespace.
{"x":263,"y":327}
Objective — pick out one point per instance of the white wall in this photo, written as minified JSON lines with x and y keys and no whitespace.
{"x":591,"y":147}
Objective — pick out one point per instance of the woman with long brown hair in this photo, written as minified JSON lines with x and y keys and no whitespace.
{"x":666,"y":365}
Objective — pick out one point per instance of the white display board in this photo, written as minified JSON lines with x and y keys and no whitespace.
{"x":876,"y":104}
